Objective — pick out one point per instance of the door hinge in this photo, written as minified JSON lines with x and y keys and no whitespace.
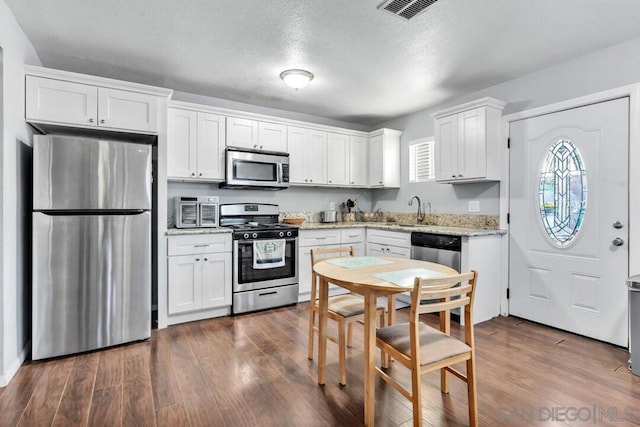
{"x":507,"y":293}
{"x":508,"y":142}
{"x":508,"y":218}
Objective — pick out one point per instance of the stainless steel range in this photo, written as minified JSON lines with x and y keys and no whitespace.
{"x":265,"y":264}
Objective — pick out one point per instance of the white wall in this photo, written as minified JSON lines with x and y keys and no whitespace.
{"x":15,"y":227}
{"x":608,"y":68}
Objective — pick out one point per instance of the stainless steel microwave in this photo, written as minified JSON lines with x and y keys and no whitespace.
{"x":193,"y":212}
{"x":266,"y":170}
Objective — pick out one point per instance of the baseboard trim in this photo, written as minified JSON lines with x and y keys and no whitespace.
{"x":6,"y":377}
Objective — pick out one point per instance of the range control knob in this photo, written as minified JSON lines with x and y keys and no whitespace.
{"x":254,"y":235}
{"x":288,"y":233}
{"x":281,"y":234}
{"x":246,"y":235}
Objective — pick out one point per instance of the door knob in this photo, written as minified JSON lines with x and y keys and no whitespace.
{"x":618,"y":225}
{"x":617,"y":242}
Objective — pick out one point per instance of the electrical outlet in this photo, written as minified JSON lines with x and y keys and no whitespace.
{"x":474,"y":206}
{"x":332,"y":206}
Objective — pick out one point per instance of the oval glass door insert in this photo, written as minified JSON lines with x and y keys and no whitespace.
{"x":563,"y":192}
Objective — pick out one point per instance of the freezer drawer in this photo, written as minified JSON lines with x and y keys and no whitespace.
{"x":74,"y":173}
{"x":91,"y":282}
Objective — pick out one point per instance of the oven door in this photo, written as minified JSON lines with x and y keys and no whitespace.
{"x":246,"y":278}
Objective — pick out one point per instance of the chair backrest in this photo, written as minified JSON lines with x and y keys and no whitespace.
{"x":321,"y":254}
{"x":441,"y":295}
{"x":327,"y":253}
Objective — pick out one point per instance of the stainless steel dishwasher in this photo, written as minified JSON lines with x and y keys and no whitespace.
{"x":439,"y":248}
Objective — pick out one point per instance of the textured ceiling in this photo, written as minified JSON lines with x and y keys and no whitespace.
{"x":369,"y":66}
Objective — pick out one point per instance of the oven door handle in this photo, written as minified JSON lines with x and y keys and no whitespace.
{"x":289,"y":239}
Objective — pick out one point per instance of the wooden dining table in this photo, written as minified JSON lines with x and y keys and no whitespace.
{"x":358,"y":275}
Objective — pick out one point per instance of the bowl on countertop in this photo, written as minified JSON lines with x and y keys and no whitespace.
{"x":294,"y":221}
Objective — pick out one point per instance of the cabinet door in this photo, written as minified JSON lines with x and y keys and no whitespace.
{"x":374,"y":249}
{"x":376,"y":161}
{"x":210,"y":146}
{"x":60,"y":101}
{"x":316,"y":157}
{"x":216,"y":280}
{"x":296,"y":139}
{"x":127,"y":110}
{"x":472,"y":144}
{"x":185,"y":283}
{"x":338,"y":162}
{"x":304,"y":270}
{"x":181,"y":143}
{"x":358,"y":161}
{"x":446,"y":148}
{"x":242,"y":132}
{"x":272,"y":137}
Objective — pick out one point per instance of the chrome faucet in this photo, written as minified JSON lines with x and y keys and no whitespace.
{"x":420,"y":216}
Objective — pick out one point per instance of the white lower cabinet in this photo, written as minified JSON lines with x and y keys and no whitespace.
{"x":316,"y":239}
{"x":388,"y":243}
{"x":199,"y":277}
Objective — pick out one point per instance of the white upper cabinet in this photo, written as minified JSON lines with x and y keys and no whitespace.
{"x":60,"y":101}
{"x":272,"y":137}
{"x":255,"y":134}
{"x":384,"y":159}
{"x":242,"y":132}
{"x":127,"y":110}
{"x":195,"y":145}
{"x":358,"y":161}
{"x":307,"y":156}
{"x":346,"y":160}
{"x":338,"y":153}
{"x":66,"y":99}
{"x":468,"y":142}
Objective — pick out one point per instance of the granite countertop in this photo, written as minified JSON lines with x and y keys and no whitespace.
{"x":437,"y":229}
{"x":192,"y":231}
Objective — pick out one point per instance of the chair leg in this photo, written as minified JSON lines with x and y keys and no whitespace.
{"x":444,"y":381}
{"x":416,"y":397}
{"x":342,"y":351}
{"x":312,"y":324}
{"x":350,"y":335}
{"x":472,"y":391}
{"x":384,"y":357}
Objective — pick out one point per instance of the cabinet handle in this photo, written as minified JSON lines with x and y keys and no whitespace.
{"x":310,"y":180}
{"x":201,"y":246}
{"x":102,"y":121}
{"x":306,"y":180}
{"x":330,"y":181}
{"x":352,"y":182}
{"x":200,"y":174}
{"x":379,"y":182}
{"x":197,"y":259}
{"x":453,"y":176}
{"x":206,"y":259}
{"x":460,"y":176}
{"x":193,"y":174}
{"x":261,"y":147}
{"x":91,"y":120}
{"x":255,"y":145}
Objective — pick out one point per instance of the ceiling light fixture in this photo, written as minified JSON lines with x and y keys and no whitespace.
{"x":296,"y":78}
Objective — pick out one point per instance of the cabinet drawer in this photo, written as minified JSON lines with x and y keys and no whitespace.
{"x":375,"y":249}
{"x":394,"y":238}
{"x":199,"y":244}
{"x":319,"y":238}
{"x":352,"y":235}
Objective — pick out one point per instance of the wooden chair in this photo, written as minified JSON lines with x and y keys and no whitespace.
{"x":344,"y":309}
{"x":422,"y":348}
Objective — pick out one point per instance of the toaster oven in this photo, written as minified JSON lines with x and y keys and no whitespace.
{"x":193,"y":212}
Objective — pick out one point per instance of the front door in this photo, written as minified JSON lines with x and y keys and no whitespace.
{"x":569,"y":221}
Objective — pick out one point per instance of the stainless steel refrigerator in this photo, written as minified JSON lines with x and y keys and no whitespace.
{"x":91,"y":244}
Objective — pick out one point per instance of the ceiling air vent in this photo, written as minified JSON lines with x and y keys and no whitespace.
{"x":406,"y":9}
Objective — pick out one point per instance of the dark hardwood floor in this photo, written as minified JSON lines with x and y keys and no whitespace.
{"x":253,"y":370}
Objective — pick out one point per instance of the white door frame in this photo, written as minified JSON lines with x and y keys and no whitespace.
{"x":631,"y":91}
